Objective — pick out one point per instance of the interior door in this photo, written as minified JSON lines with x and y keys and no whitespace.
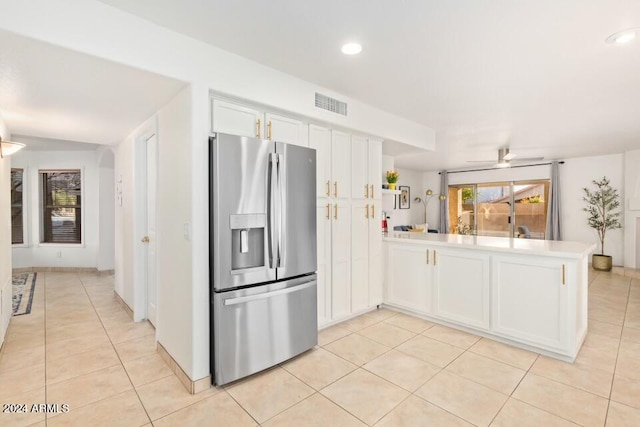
{"x":152,"y":174}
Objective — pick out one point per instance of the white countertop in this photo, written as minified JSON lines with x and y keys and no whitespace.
{"x":552,"y":248}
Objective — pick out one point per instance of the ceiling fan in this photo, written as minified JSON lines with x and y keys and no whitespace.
{"x":505,"y":158}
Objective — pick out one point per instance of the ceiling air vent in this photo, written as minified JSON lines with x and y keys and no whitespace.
{"x":331,"y":104}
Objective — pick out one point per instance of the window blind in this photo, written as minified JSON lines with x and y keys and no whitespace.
{"x":61,"y":206}
{"x":17,"y":198}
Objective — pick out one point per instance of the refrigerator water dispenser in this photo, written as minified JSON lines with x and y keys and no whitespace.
{"x":247,"y":241}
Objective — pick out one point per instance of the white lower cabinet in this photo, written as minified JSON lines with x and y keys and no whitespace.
{"x":340,"y":259}
{"x":534,"y":300}
{"x":323,"y":229}
{"x":530,"y":301}
{"x":462,"y":286}
{"x":409,"y":278}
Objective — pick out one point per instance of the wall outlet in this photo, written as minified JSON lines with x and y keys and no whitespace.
{"x":59,"y":254}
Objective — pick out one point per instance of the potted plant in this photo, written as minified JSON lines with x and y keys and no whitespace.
{"x":392,"y":178}
{"x":602,"y":205}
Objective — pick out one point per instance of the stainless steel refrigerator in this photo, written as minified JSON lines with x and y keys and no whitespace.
{"x":262,"y":254}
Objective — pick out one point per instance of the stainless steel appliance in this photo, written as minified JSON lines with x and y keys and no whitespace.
{"x":263,"y":254}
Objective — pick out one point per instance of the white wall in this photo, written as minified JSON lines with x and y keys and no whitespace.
{"x":36,"y":254}
{"x":106,"y":211}
{"x":127,"y":237}
{"x":175,"y":306}
{"x":576,"y":174}
{"x":142,"y":44}
{"x":631,"y":205}
{"x":5,"y":238}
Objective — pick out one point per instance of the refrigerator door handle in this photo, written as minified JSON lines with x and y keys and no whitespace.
{"x":271,"y":207}
{"x":280,"y":209}
{"x":240,"y":300}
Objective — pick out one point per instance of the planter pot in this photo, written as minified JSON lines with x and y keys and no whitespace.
{"x":392,"y":186}
{"x":601,"y":262}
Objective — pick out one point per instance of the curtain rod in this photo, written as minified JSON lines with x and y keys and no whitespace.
{"x":512,"y":167}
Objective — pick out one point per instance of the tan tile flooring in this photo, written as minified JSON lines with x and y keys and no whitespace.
{"x":79,"y":347}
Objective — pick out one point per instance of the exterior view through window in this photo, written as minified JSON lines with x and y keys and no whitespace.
{"x":17,"y":207}
{"x":503,"y":209}
{"x":61,"y":206}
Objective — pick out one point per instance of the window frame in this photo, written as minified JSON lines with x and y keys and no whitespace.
{"x":41,"y":243}
{"x":546,"y":182}
{"x":25,"y":209}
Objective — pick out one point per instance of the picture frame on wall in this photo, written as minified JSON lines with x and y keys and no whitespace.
{"x":404,"y":198}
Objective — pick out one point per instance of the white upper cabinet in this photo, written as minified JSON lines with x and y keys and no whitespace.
{"x":285,"y":129}
{"x":340,"y":164}
{"x":236,"y":119}
{"x":320,"y":139}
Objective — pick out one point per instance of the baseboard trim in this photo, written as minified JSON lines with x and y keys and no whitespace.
{"x":193,"y":387}
{"x":58,"y":270}
{"x":124,"y":305}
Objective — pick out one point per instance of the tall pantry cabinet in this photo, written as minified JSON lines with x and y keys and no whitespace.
{"x":348,"y":201}
{"x":349,"y":223}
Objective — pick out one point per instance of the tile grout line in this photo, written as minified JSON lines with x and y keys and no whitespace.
{"x":117,"y":355}
{"x":615,"y":366}
{"x":44,"y":320}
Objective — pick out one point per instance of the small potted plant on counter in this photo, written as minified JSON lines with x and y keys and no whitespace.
{"x":602,"y":205}
{"x":392,"y":178}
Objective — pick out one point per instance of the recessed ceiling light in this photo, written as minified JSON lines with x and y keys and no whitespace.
{"x":622,"y":37}
{"x":351,"y":48}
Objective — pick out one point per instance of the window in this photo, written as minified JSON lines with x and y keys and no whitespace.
{"x":61,"y":206}
{"x":17,"y":207}
{"x":504,"y":209}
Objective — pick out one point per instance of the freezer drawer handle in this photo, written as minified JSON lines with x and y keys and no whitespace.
{"x":265,"y":295}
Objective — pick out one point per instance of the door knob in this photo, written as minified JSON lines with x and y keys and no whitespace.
{"x":145,"y":239}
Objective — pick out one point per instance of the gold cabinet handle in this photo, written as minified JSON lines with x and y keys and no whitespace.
{"x":335,"y":189}
{"x":427,"y":256}
{"x":563,"y":275}
{"x":366,"y":191}
{"x":435,"y":260}
{"x":145,"y":239}
{"x":372,"y":196}
{"x":335,"y":211}
{"x":373,"y":211}
{"x":328,"y":211}
{"x":258,"y":122}
{"x":366,"y":211}
{"x":328,"y":188}
{"x":269,"y":130}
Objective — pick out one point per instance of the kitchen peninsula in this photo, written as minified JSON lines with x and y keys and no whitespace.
{"x":529,"y":293}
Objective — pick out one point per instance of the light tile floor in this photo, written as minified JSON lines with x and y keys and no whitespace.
{"x":79,"y":347}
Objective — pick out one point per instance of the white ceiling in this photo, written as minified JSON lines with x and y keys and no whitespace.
{"x":51,"y":92}
{"x":534,"y":75}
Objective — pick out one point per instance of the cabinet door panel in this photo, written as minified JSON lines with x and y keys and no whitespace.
{"x":323,"y":230}
{"x":285,"y":129}
{"x":341,"y":259}
{"x":359,"y":168}
{"x":375,"y":167}
{"x":236,"y":119}
{"x":530,"y":301}
{"x":409,"y":278}
{"x":375,"y":255}
{"x":320,"y":139}
{"x":340,"y":164}
{"x":359,"y":256}
{"x":462,"y":286}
